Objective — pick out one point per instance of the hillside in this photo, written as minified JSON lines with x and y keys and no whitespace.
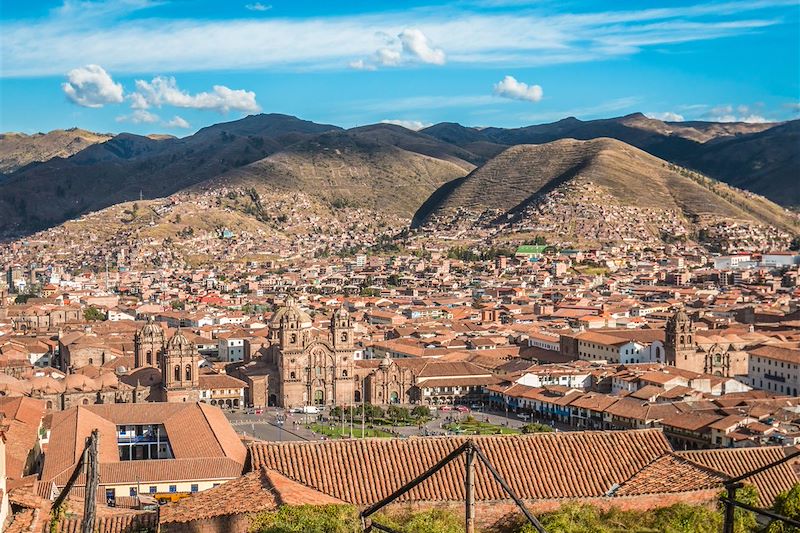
{"x":19,"y":149}
{"x":350,"y":169}
{"x":128,"y":167}
{"x":697,"y":145}
{"x":590,"y":177}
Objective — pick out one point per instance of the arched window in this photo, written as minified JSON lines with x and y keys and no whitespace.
{"x":50,"y":404}
{"x":357,"y":396}
{"x":177,"y":373}
{"x":149,"y":357}
{"x":292,"y":375}
{"x":293,"y":338}
{"x":188,"y":372}
{"x":85,"y":401}
{"x":344,"y":336}
{"x":91,"y":361}
{"x":344,"y":373}
{"x":682,"y":339}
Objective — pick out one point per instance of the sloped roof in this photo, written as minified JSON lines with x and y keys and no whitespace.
{"x":203,"y":442}
{"x":737,"y":461}
{"x":553,"y":465}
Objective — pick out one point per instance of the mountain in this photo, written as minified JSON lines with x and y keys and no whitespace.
{"x":696,"y":145}
{"x":129,"y":166}
{"x":364,"y":168}
{"x":19,"y":149}
{"x":582,"y":187}
{"x":767,"y":162}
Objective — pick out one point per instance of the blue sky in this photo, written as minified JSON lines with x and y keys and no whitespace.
{"x":175,"y":66}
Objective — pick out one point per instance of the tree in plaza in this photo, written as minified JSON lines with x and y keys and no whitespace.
{"x":420,"y":411}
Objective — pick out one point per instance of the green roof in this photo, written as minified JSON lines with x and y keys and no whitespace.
{"x":531,"y":249}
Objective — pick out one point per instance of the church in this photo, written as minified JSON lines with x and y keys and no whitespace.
{"x":177,"y":359}
{"x":310,"y":366}
{"x":707,"y":352}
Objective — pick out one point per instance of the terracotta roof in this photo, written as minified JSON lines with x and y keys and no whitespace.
{"x":204,"y":444}
{"x":555,"y":465}
{"x":22,"y":417}
{"x":736,"y":461}
{"x":259,"y":490}
{"x":671,"y":473}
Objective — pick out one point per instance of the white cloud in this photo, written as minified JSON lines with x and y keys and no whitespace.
{"x":92,"y":86}
{"x":741,"y":113}
{"x":165,"y":91}
{"x":138,"y":101}
{"x":414,"y":125}
{"x":100,"y":32}
{"x":509,"y":87}
{"x":139,"y":116}
{"x":258,"y":6}
{"x":416,"y":44}
{"x":409,"y":46}
{"x":178,"y":122}
{"x":360,"y":64}
{"x":667,"y":116}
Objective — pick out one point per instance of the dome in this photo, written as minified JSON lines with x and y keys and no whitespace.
{"x":178,"y":341}
{"x":151,"y":330}
{"x":11,"y":386}
{"x":108,"y":380}
{"x":291,"y":312}
{"x":47,"y":385}
{"x":79,"y":382}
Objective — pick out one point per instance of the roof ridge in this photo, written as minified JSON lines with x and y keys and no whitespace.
{"x":700,"y":466}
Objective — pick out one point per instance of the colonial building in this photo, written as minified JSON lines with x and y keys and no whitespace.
{"x":707,"y":353}
{"x":177,"y":359}
{"x":310,"y":366}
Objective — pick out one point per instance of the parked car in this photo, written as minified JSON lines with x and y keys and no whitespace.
{"x":462,"y":409}
{"x":307,"y":409}
{"x":445,"y":408}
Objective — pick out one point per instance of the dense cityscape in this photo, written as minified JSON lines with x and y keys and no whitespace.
{"x":488,"y":266}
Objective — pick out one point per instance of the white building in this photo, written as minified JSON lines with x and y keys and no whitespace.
{"x":775,"y":368}
{"x":231,"y":347}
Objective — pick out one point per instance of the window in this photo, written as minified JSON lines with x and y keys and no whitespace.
{"x":344,"y":373}
{"x":177,"y":373}
{"x":133,"y":492}
{"x":173,"y":488}
{"x":195,"y":488}
{"x":153,"y":489}
{"x":149,"y":358}
{"x":111,"y":495}
{"x":215,"y":485}
{"x":292,"y":375}
{"x":188,"y":372}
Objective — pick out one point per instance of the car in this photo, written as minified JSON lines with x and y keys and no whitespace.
{"x":524,"y":416}
{"x":462,"y":409}
{"x":476,"y":406}
{"x":259,"y":412}
{"x":445,"y":408}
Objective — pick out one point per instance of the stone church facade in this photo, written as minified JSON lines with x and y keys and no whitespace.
{"x":719,"y":355}
{"x":177,"y":359}
{"x":309,"y":366}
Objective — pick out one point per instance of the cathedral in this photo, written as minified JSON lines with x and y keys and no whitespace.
{"x":718,"y":354}
{"x":176,"y":358}
{"x":310,"y":367}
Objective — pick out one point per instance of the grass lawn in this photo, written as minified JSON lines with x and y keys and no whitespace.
{"x":338,"y":433}
{"x":474,"y":427}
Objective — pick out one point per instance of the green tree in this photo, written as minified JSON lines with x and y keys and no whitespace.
{"x":92,"y":314}
{"x":744,"y":520}
{"x":303,"y":518}
{"x":535,"y":427}
{"x":429,"y":521}
{"x":786,"y":504}
{"x":420,"y":411}
{"x":397,"y":413}
{"x":23,"y":298}
{"x":177,"y":305}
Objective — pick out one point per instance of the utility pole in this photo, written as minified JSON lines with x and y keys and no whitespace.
{"x":469,"y":485}
{"x":92,"y":484}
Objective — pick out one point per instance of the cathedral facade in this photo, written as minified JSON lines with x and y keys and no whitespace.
{"x":309,"y":366}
